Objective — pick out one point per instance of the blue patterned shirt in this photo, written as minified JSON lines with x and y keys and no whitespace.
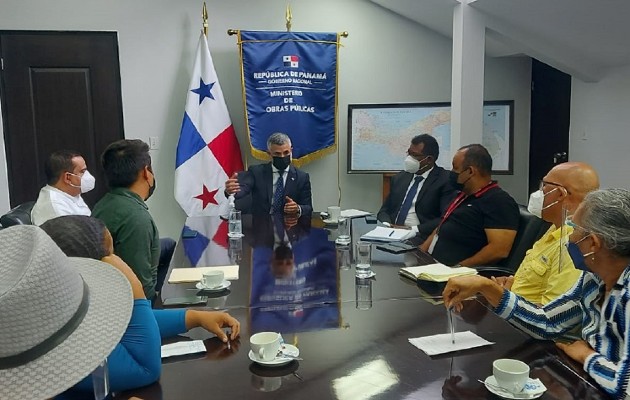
{"x":604,"y":319}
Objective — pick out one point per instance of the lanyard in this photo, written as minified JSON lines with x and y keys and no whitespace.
{"x":460,"y":199}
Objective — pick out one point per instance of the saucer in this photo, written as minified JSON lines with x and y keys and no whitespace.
{"x":490,"y":384}
{"x":328,"y":221}
{"x":226,"y":284}
{"x":287,"y":349}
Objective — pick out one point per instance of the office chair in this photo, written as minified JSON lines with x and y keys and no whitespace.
{"x":530,"y":229}
{"x":20,"y":215}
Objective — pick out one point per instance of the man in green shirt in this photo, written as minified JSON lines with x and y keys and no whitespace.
{"x":127,"y":165}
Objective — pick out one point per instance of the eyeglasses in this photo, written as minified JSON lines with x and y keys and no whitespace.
{"x":569,"y":222}
{"x":543,"y":183}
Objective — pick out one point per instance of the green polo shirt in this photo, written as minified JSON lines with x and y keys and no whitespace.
{"x":136,"y":237}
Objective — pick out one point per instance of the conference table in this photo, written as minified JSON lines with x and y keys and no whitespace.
{"x":352,"y":333}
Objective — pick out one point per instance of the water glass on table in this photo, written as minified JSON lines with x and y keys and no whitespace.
{"x":343,"y":232}
{"x":235,"y":227}
{"x":364,"y":260}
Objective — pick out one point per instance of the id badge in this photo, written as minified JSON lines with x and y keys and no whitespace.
{"x":433,"y":242}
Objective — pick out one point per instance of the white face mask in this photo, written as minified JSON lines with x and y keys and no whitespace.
{"x":536,"y":201}
{"x":412,"y":165}
{"x":87,"y":182}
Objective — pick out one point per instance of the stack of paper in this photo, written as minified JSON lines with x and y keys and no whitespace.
{"x":181,"y":348}
{"x":383,"y":234}
{"x":184,"y":275}
{"x":435,"y":272}
{"x":354,"y":213}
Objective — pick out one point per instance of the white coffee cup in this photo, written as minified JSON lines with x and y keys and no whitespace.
{"x":333,"y":213}
{"x":265,"y":345}
{"x":212,"y":279}
{"x":511,"y":375}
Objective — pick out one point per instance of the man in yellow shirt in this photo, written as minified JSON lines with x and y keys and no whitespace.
{"x":540,"y":278}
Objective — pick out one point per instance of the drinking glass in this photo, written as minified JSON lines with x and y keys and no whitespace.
{"x":363,"y":293}
{"x":344,"y":261}
{"x":343,"y":232}
{"x":235,"y":227}
{"x":364,"y":260}
{"x":100,"y":381}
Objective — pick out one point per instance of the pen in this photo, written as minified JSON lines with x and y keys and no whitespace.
{"x":391,"y":233}
{"x":450,"y":322}
{"x":228,"y":343}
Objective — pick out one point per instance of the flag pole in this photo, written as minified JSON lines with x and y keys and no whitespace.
{"x":204,"y":17}
{"x":288,"y":16}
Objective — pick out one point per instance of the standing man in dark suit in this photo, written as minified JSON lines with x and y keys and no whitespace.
{"x":421,"y":193}
{"x":275,"y":187}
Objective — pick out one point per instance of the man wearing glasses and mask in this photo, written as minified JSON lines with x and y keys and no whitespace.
{"x":545,"y":273}
{"x":420,"y":194}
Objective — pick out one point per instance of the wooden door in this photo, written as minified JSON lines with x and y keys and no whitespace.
{"x":59,"y":90}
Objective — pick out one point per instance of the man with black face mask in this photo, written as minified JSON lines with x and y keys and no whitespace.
{"x":272,"y":188}
{"x":479,"y":226}
{"x":131,"y":181}
{"x":418,"y":195}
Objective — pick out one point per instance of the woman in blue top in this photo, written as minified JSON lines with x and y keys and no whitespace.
{"x":136,"y":360}
{"x":599,"y":301}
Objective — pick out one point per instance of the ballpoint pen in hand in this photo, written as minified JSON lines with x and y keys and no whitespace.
{"x":450,"y":323}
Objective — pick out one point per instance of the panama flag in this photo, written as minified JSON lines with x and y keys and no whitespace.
{"x":208,"y":151}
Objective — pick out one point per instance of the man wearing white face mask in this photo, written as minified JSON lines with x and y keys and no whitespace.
{"x":540,"y":278}
{"x":67,"y":177}
{"x":420,"y":194}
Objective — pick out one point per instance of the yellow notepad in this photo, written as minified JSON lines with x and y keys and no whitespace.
{"x":435,"y":272}
{"x":184,"y":275}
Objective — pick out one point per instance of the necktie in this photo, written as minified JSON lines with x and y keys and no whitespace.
{"x":406,"y":205}
{"x":278,"y":195}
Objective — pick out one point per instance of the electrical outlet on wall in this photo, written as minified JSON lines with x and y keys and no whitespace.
{"x":153,"y":143}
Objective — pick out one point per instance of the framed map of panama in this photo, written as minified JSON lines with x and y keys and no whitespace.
{"x":379,"y":134}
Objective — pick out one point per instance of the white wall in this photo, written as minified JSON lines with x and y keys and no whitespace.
{"x":600,"y":126}
{"x":386,"y":59}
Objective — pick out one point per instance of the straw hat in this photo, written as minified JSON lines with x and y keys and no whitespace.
{"x":59,"y":316}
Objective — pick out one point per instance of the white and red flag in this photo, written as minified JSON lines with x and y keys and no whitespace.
{"x":208,"y":151}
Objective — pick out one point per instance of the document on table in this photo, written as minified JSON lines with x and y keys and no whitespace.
{"x":442,"y":343}
{"x":354,"y":213}
{"x":183,"y":275}
{"x":382,"y":234}
{"x":181,"y":348}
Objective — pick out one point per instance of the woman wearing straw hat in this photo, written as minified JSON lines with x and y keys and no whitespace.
{"x":136,"y":360}
{"x":600,"y":299}
{"x":60,"y":317}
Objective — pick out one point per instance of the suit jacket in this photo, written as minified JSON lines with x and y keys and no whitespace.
{"x":433,"y":199}
{"x":256,"y":192}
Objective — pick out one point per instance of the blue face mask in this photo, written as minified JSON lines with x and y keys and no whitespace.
{"x":576,"y":255}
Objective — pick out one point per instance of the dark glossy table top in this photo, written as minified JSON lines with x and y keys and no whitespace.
{"x":352,"y":348}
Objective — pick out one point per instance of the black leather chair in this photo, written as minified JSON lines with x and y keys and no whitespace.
{"x":530,"y":229}
{"x":20,"y":215}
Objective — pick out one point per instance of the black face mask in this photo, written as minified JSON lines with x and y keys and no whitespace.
{"x":453,"y":176}
{"x":151,"y":188}
{"x":281,"y":163}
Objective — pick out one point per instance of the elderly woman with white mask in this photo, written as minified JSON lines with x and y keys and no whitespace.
{"x":600,"y":247}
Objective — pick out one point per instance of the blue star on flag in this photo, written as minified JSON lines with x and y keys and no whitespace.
{"x":204,"y":90}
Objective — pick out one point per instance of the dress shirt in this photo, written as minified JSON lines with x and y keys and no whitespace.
{"x":52,"y":203}
{"x":412,"y":218}
{"x":276,"y":173}
{"x":540,"y":278}
{"x":604,"y":318}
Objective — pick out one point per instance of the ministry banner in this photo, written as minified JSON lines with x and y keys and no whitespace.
{"x":290,"y":86}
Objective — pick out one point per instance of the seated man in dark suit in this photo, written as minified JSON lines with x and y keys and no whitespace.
{"x":420,"y":194}
{"x":479,"y":226}
{"x":275,"y":187}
